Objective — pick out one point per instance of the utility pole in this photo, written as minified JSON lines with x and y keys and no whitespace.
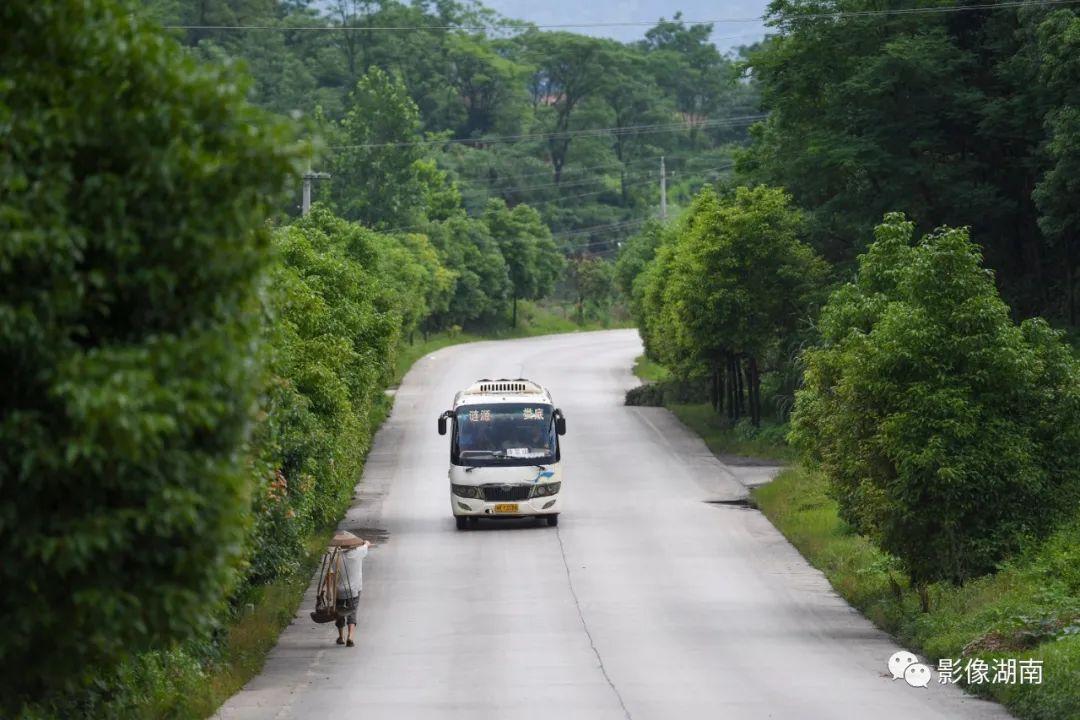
{"x":663,"y":190}
{"x":308,"y":177}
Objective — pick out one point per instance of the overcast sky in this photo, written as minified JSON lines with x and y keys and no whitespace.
{"x":725,"y":35}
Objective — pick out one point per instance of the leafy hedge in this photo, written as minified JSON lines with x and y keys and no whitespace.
{"x":339,"y":300}
{"x":133,"y":183}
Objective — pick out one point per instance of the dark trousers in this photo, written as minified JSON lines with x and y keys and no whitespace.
{"x":346,"y":610}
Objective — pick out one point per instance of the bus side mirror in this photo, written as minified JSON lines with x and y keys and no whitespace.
{"x":560,"y":423}
{"x":442,"y":423}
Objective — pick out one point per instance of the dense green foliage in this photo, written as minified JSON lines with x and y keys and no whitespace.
{"x":336,"y":316}
{"x":189,"y":394}
{"x":422,"y":128}
{"x":965,"y":118}
{"x":949,"y":434}
{"x":592,"y":286}
{"x":133,"y":182}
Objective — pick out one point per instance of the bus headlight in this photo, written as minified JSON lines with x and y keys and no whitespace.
{"x":466,"y":491}
{"x":545,"y":489}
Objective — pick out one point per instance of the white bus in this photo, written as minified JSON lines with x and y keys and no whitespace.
{"x":504,"y":451}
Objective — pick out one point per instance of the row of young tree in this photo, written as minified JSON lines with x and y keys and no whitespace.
{"x":949,"y":429}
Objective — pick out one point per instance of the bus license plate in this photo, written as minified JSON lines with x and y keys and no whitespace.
{"x":506,"y":508}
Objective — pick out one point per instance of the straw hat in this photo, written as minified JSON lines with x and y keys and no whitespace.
{"x":345,"y":539}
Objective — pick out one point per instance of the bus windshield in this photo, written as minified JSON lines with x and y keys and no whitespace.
{"x":505,"y":434}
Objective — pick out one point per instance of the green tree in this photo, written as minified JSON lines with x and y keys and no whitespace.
{"x":134,"y":184}
{"x":739,"y":282}
{"x":533,"y":261}
{"x":684,"y":61}
{"x":949,"y":434}
{"x":635,"y":255}
{"x":1058,"y":192}
{"x":376,"y":176}
{"x":481,"y":276}
{"x":943,"y":117}
{"x":569,"y":70}
{"x":593,"y":283}
{"x":635,"y":99}
{"x":489,"y":85}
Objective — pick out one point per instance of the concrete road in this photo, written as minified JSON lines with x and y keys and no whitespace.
{"x":647,"y":602}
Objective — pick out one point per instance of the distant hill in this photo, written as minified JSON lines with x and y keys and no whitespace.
{"x":553,"y":12}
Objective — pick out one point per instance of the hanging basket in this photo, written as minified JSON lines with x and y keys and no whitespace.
{"x":326,"y":600}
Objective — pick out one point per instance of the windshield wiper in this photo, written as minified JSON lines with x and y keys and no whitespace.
{"x":492,"y":453}
{"x":482,"y":453}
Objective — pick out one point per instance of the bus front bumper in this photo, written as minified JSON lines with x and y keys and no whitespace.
{"x":471,"y":507}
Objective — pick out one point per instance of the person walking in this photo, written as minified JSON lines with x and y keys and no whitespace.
{"x":349,"y":582}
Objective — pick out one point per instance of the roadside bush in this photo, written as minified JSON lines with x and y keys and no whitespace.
{"x":950,"y":434}
{"x":332,"y":333}
{"x":132,"y":184}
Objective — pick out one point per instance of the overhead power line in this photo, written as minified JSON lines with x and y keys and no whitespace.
{"x":651,"y":179}
{"x":562,"y":134}
{"x":522,"y":27}
{"x":600,"y":228}
{"x":568,"y":184}
{"x":567,"y":172}
{"x":589,"y":194}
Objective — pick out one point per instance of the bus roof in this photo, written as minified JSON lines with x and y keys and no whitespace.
{"x":503,"y":390}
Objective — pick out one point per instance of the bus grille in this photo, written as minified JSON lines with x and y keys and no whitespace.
{"x":504,"y":493}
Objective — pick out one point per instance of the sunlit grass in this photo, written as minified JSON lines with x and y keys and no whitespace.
{"x":650,"y":371}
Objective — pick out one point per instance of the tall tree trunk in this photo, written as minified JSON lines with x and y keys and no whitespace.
{"x":729,"y":382}
{"x":736,"y":388}
{"x":755,"y":392}
{"x":714,"y":386}
{"x":740,"y":407}
{"x":1070,"y":280}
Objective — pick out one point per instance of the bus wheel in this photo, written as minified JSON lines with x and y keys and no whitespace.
{"x":553,"y":520}
{"x":462,"y":522}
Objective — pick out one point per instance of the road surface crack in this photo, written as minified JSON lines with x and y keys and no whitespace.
{"x":585,"y":627}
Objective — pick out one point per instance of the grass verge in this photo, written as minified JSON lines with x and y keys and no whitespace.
{"x":743,"y":438}
{"x":254,"y":634}
{"x":1028,"y":610}
{"x":767,"y":441}
{"x":650,"y":371}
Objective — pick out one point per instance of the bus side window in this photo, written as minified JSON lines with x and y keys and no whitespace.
{"x":454,"y":449}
